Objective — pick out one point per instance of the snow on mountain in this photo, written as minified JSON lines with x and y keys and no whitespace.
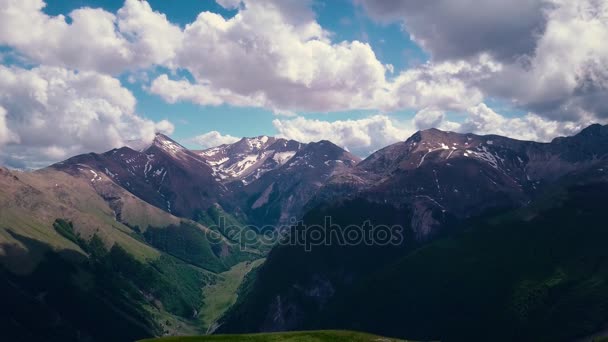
{"x":438,"y":174}
{"x":434,"y":173}
{"x":249,"y":158}
{"x":164,"y":174}
{"x":282,"y":193}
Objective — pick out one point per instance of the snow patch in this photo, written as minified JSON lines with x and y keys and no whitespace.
{"x":96,"y":177}
{"x":219,"y":162}
{"x":282,"y":157}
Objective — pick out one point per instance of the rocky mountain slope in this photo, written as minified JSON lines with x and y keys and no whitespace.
{"x":249,"y":158}
{"x":164,"y":174}
{"x":437,"y":185}
{"x":440,"y":174}
{"x":265,"y":180}
{"x":281,"y":194}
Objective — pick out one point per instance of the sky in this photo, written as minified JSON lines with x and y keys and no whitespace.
{"x":79,"y":76}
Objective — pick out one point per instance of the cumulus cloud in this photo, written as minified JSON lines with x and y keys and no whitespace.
{"x":360,"y":137}
{"x":5,"y":134}
{"x":364,"y":136}
{"x":429,"y":118}
{"x":481,"y":119}
{"x":52,"y":113}
{"x":458,"y":29}
{"x":173,"y":91}
{"x":164,"y":126}
{"x":267,"y":51}
{"x":567,"y":78}
{"x":266,"y":57}
{"x":546,"y":56}
{"x":95,"y":39}
{"x":447,"y":85}
{"x":484,"y":120}
{"x":213,"y":139}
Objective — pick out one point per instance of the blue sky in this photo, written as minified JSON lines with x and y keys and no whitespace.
{"x":343,"y":18}
{"x":361,"y":73}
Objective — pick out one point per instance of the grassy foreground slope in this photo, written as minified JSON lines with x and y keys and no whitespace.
{"x":300,"y":336}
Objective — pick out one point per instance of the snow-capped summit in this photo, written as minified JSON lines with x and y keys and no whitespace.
{"x":249,"y":158}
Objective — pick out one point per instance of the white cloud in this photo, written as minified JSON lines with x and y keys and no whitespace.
{"x":229,"y":4}
{"x":152,"y":38}
{"x":263,"y":57}
{"x":213,"y":139}
{"x":52,"y":113}
{"x":483,"y":120}
{"x":6,"y":135}
{"x":429,"y":118}
{"x":544,"y":56}
{"x":165,"y":127}
{"x":203,"y":94}
{"x":446,"y":85}
{"x":548,"y":56}
{"x":94,"y":40}
{"x":361,"y":137}
{"x":460,"y":29}
{"x":567,"y":78}
{"x":268,"y":52}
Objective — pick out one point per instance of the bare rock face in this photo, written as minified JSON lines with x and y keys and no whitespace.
{"x":281,"y":194}
{"x":164,"y":174}
{"x":249,"y":158}
{"x":268,"y":179}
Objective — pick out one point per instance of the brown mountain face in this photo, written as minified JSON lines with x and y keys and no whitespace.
{"x":269,"y":180}
{"x":282,"y":193}
{"x":164,"y":174}
{"x":441,"y":174}
{"x":437,"y":175}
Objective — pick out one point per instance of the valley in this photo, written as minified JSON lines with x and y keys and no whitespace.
{"x":164,"y":241}
{"x":223,"y":293}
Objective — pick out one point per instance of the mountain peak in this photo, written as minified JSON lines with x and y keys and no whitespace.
{"x":326,"y":150}
{"x":250,"y":157}
{"x":160,"y":138}
{"x":167,"y":144}
{"x":434,"y":134}
{"x":257,"y":143}
{"x":594,"y":130}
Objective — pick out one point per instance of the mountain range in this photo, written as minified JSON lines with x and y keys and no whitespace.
{"x":137,"y":228}
{"x":270,"y":180}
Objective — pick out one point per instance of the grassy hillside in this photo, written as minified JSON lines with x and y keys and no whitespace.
{"x":78,"y":255}
{"x":31,"y":202}
{"x":304,"y":336}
